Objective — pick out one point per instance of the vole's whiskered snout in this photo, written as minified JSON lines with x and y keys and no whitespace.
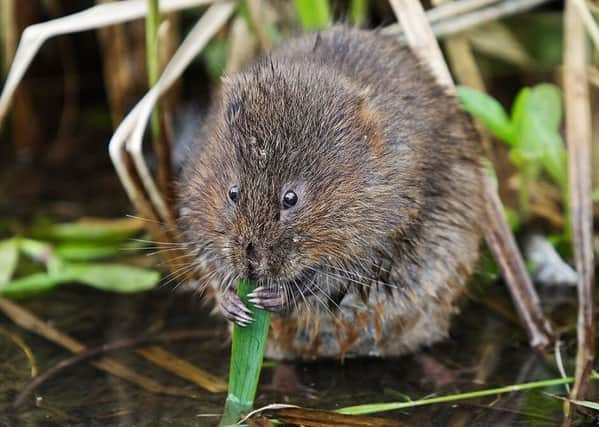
{"x":254,"y":260}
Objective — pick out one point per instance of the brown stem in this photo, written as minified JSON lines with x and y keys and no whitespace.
{"x":578,"y":136}
{"x":503,"y":245}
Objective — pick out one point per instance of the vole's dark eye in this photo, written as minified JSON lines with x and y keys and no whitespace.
{"x":289,"y":199}
{"x":234,"y":193}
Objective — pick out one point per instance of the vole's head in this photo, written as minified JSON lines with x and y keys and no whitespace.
{"x":289,"y":178}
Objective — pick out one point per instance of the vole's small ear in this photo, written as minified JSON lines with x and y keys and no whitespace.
{"x":233,"y":108}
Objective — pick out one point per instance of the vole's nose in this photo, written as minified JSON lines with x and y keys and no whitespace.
{"x":253,"y":261}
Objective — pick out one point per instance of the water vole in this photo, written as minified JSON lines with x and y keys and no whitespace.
{"x":337,"y":174}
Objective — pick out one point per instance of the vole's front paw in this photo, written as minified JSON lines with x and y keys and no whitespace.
{"x":271,"y":299}
{"x":234,"y":309}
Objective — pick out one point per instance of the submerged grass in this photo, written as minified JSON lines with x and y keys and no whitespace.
{"x":247,"y":352}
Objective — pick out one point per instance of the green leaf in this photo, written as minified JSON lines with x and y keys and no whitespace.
{"x":31,"y":285}
{"x":545,"y":103}
{"x":247,"y":352}
{"x":519,"y":109}
{"x":91,"y":229}
{"x":112,"y":277}
{"x":488,"y":110}
{"x":536,"y":116}
{"x":41,"y":252}
{"x":107,"y":277}
{"x":9,"y":257}
{"x":359,"y":11}
{"x":313,"y":14}
{"x":85,"y":251}
{"x":215,"y":57}
{"x":555,"y":160}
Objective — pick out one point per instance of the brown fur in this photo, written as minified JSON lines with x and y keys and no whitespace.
{"x":386,"y":168}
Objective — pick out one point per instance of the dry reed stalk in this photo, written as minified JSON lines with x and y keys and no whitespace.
{"x":578,"y":137}
{"x":95,"y":17}
{"x":258,"y":17}
{"x":120,"y":80}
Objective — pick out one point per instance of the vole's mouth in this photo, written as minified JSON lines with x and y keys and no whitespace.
{"x":301,"y":283}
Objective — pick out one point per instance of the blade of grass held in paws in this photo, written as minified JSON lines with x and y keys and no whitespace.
{"x":247,"y":352}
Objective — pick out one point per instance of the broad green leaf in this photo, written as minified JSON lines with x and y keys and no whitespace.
{"x":91,"y":229}
{"x":518,"y":109}
{"x":9,"y":257}
{"x":31,"y":285}
{"x":35,"y":249}
{"x":85,"y":251}
{"x":107,"y":277}
{"x":112,"y":277}
{"x":215,"y":57}
{"x":313,"y":14}
{"x":545,"y":103}
{"x":555,"y":160}
{"x":536,"y":117}
{"x":41,"y":252}
{"x":487,"y":109}
{"x":595,"y":196}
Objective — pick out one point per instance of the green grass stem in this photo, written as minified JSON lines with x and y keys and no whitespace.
{"x":392,"y":406}
{"x":152,"y":62}
{"x":247,"y":352}
{"x":313,"y":14}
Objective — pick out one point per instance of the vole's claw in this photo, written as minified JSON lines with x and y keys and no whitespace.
{"x":234,"y":309}
{"x":271,"y":299}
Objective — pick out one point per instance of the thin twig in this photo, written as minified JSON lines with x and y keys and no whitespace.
{"x":116,"y":345}
{"x":578,"y":136}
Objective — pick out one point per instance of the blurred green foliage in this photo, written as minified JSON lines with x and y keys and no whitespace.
{"x":70,"y":255}
{"x":531,"y":132}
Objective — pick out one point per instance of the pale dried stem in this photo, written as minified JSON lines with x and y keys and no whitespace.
{"x":95,"y":17}
{"x":130,"y":133}
{"x":458,"y":19}
{"x":588,"y":20}
{"x":242,"y":45}
{"x":421,"y":39}
{"x":9,"y":31}
{"x":182,"y":368}
{"x":258,"y":17}
{"x":578,"y":137}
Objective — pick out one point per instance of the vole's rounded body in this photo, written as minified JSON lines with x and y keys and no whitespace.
{"x":337,"y":174}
